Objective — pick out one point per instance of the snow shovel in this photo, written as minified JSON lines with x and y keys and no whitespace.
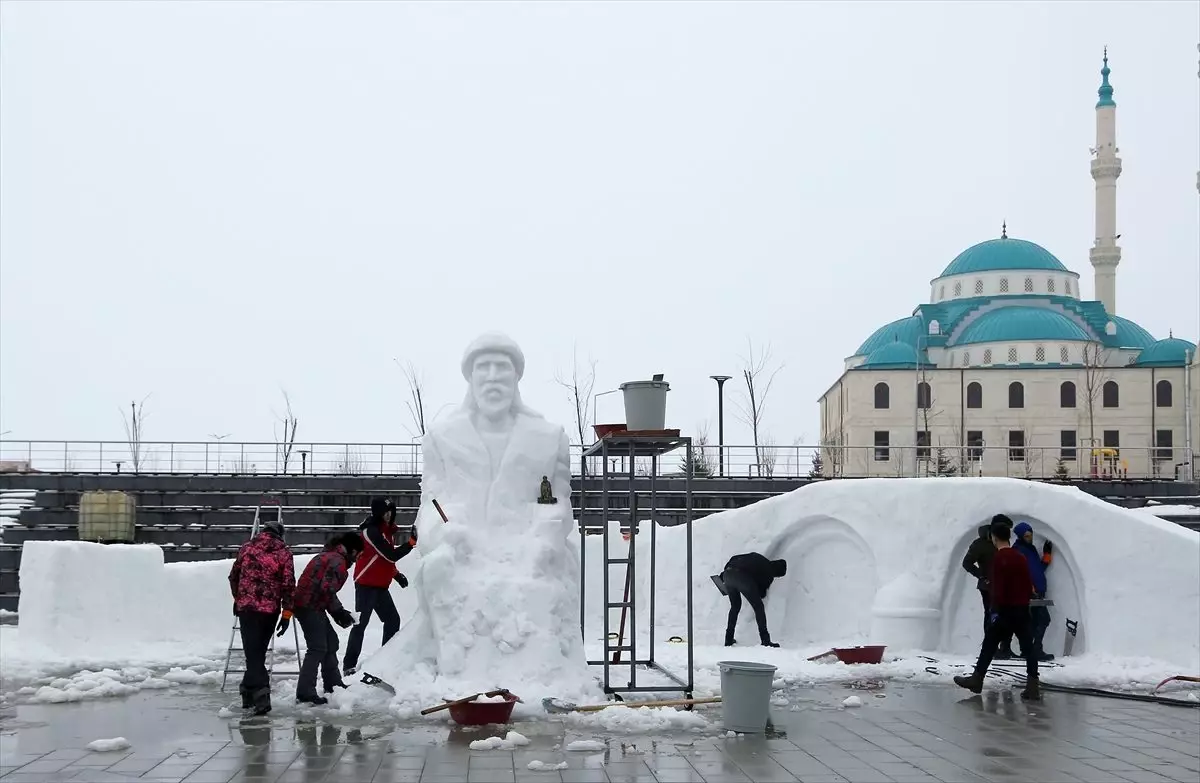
{"x":454,"y":703}
{"x":556,"y":707}
{"x":824,"y":655}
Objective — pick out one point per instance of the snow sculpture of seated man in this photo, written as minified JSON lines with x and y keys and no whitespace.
{"x":498,"y":586}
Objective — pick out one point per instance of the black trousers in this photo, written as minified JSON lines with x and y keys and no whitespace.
{"x":1007,"y":641}
{"x":368,"y":601}
{"x":1010,"y":621}
{"x":322,"y":643}
{"x":1039,"y":618}
{"x":742,"y":585}
{"x":256,"y":629}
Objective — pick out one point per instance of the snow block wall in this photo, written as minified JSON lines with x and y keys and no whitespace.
{"x":878,"y":561}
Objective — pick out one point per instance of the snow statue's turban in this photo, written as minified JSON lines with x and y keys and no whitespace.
{"x":493,"y":342}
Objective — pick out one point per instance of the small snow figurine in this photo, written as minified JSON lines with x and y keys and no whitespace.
{"x":546,"y":495}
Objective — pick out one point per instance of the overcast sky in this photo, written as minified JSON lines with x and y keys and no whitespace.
{"x":209,"y":202}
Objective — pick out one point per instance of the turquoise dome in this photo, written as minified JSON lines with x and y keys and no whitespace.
{"x":1007,"y":324}
{"x":906,"y":330}
{"x":1171,"y":352}
{"x":1129,"y":334}
{"x":894,"y":355}
{"x":1003,"y":254}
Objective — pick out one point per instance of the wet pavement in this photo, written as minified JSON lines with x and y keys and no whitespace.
{"x":912,"y":734}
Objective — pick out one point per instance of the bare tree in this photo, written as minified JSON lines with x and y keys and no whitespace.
{"x":135,"y":422}
{"x":285,"y":440}
{"x":833,"y":452}
{"x":352,"y":463}
{"x":926,"y":415}
{"x":416,"y":398}
{"x":1095,"y":375}
{"x":704,"y":461}
{"x":768,"y":455}
{"x":579,"y":392}
{"x":759,"y":376}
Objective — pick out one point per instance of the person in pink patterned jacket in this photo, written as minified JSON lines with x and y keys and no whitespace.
{"x":263,"y":582}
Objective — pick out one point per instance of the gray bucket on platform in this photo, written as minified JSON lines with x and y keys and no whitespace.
{"x":746,"y":695}
{"x":645,"y":404}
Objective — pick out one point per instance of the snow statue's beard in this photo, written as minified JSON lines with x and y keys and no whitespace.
{"x":495,"y":392}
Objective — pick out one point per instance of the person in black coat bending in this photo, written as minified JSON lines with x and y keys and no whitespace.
{"x":750,"y":576}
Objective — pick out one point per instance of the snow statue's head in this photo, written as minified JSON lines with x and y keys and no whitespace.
{"x":493,"y":365}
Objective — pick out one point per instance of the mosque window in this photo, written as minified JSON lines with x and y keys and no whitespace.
{"x":941,"y":293}
{"x":1067,"y":286}
{"x":1040,"y":354}
{"x":958,"y":289}
{"x":1162,"y":394}
{"x":987,"y":355}
{"x":1050,"y":284}
{"x":966,"y":358}
{"x":1029,"y":284}
{"x":935,"y":327}
{"x":1066,"y":395}
{"x":882,"y":396}
{"x":1012,"y":355}
{"x":978,"y":287}
{"x":1111,"y":394}
{"x":1004,"y":285}
{"x":1064,"y":355}
{"x":974,"y":395}
{"x":1016,"y":395}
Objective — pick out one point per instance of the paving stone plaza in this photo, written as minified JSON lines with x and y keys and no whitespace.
{"x":907,"y":734}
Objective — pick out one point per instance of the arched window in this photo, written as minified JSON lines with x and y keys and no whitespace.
{"x":1050,"y":284}
{"x":978,"y":287}
{"x":1066,"y":395}
{"x":1067,"y":285}
{"x":974,"y":395}
{"x":987,"y":355}
{"x":1040,"y":354}
{"x":958,"y":289}
{"x":1016,"y":395}
{"x":1012,"y":355}
{"x":941,"y":293}
{"x":966,"y":358}
{"x":1111,"y":395}
{"x":1004,"y":285}
{"x":935,"y":327}
{"x":1029,"y":284}
{"x":924,"y":395}
{"x":1064,"y":355}
{"x":1162,"y":394}
{"x":882,"y":396}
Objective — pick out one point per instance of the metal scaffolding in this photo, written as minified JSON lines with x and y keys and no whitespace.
{"x":639,"y":453}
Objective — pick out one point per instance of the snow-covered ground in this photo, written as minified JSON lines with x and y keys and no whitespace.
{"x":870,"y":561}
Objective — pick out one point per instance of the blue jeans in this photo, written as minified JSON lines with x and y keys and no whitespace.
{"x":368,"y":601}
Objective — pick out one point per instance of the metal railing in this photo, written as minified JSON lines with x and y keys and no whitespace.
{"x":402,"y":459}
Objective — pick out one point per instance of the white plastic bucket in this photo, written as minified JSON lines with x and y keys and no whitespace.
{"x":645,"y":405}
{"x":746,"y":695}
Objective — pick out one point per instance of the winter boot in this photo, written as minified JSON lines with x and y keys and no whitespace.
{"x":329,"y":688}
{"x":730,"y":641}
{"x":769,"y":643}
{"x":1045,"y":657}
{"x":314,"y":700}
{"x":973,"y":682}
{"x":1033,"y":690}
{"x":247,"y":701}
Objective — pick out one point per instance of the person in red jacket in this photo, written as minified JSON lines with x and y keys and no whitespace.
{"x":316,"y":595}
{"x":263,"y":580}
{"x":374,"y":572}
{"x":1011,"y":588}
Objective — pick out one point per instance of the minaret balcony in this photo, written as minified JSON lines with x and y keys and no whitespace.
{"x":1105,"y":255}
{"x":1106,"y":168}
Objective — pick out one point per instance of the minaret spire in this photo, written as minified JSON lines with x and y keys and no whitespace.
{"x":1105,"y":254}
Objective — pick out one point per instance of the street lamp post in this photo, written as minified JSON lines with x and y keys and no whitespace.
{"x":218,"y":439}
{"x":720,"y":379}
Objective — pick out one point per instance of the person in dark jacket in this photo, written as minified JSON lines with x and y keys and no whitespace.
{"x":978,"y":563}
{"x":316,"y":595}
{"x":1038,"y":563}
{"x":263,"y":581}
{"x":374,"y":572}
{"x":750,"y":576}
{"x":1010,"y":590}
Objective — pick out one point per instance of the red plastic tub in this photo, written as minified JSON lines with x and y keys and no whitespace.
{"x":604,"y":430}
{"x":872,"y":654}
{"x":475,"y":713}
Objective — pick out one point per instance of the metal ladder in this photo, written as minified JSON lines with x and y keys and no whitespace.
{"x":235,"y":644}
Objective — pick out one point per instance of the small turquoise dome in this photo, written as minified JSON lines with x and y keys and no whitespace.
{"x":894,"y":355}
{"x":1007,"y":324}
{"x":906,"y":330}
{"x":1171,"y":352}
{"x":1129,"y":334}
{"x":1002,"y":254}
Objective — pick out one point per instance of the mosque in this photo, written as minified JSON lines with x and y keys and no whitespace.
{"x":1013,"y":373}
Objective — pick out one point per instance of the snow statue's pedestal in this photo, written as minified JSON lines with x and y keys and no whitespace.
{"x":498,"y":584}
{"x":907,"y":614}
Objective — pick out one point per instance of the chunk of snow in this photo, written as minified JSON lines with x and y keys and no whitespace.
{"x":852,"y":701}
{"x":485,"y":699}
{"x":779,"y":701}
{"x":109,"y":745}
{"x":225,"y":712}
{"x":545,"y":766}
{"x":493,"y":743}
{"x":516,"y":739}
{"x":581,"y":746}
{"x":637,"y":720}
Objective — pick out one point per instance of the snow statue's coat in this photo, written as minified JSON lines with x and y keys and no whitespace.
{"x":498,"y":584}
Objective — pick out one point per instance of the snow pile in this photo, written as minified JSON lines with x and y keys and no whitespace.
{"x":584,"y":746}
{"x":109,"y":745}
{"x":545,"y":766}
{"x":507,"y":742}
{"x":852,"y":701}
{"x":89,"y":685}
{"x":637,"y":720}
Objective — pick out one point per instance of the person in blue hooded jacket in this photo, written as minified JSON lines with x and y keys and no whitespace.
{"x":1038,"y":563}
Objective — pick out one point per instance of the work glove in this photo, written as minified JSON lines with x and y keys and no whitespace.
{"x":1047,"y":548}
{"x":993,"y":618}
{"x":985,"y":583}
{"x":283,"y":625}
{"x":412,"y":536}
{"x":401,"y":579}
{"x":343,"y":618}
